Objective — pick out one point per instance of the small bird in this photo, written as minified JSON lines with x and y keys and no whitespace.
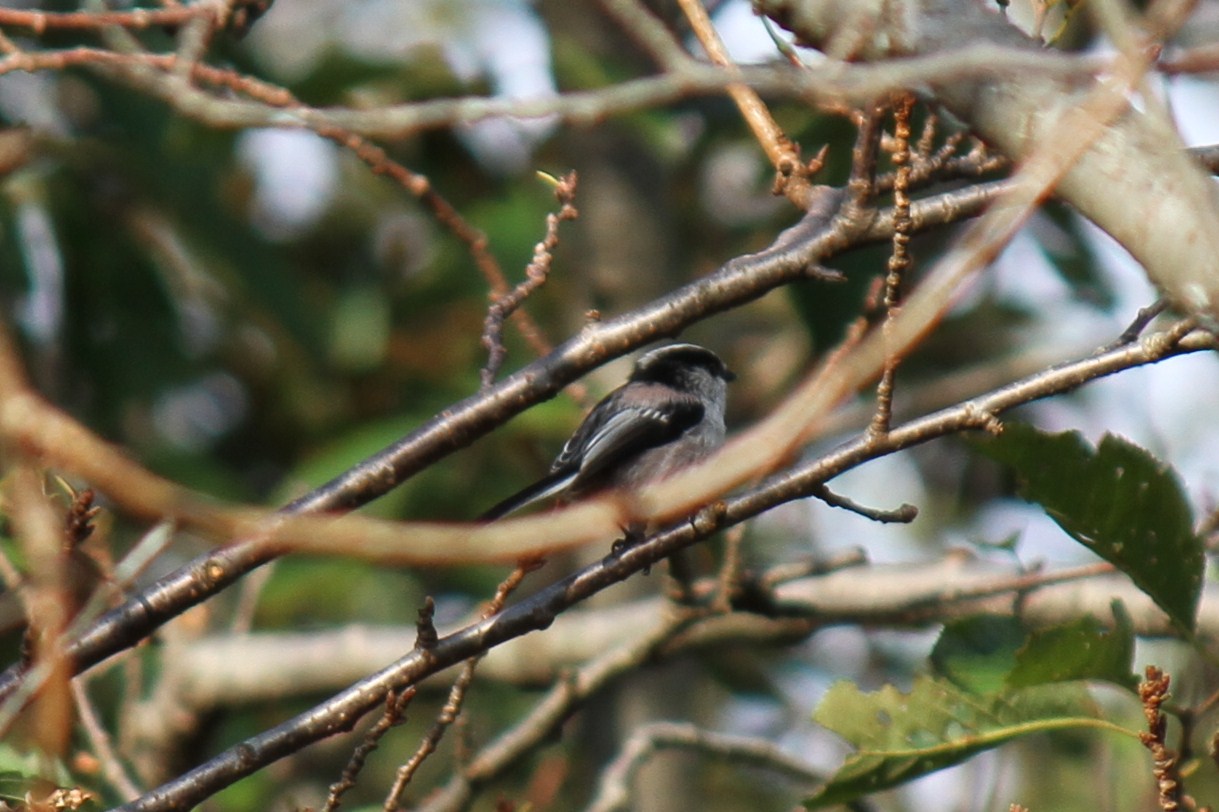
{"x":668,"y":415}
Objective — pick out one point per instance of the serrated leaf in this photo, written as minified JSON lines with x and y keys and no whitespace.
{"x":1081,"y":649}
{"x":902,"y":736}
{"x":986,"y":654}
{"x":1119,"y":501}
{"x":977,"y":653}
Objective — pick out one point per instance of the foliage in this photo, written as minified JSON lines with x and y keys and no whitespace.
{"x":1120,"y":502}
{"x":264,"y":250}
{"x":994,"y":683}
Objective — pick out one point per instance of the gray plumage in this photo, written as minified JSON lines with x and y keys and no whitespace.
{"x":668,"y":415}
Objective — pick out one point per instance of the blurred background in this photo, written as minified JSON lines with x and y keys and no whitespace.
{"x":249,"y":312}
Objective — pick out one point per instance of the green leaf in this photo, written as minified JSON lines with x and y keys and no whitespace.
{"x":1117,"y":500}
{"x":22,"y":772}
{"x":902,"y":736}
{"x":1081,"y":649}
{"x":977,"y":653}
{"x":986,"y":654}
{"x":12,"y":786}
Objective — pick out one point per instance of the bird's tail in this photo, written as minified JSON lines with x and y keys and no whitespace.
{"x":546,"y":487}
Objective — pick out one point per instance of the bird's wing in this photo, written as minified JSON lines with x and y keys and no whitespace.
{"x":639,"y":420}
{"x":626,"y":423}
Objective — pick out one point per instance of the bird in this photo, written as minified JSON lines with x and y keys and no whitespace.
{"x":669,"y":414}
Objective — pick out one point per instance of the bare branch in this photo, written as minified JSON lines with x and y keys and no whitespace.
{"x":395,"y":706}
{"x":831,"y":83}
{"x":540,"y":610}
{"x":536,"y":274}
{"x":1154,"y":200}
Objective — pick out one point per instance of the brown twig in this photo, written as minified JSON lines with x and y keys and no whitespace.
{"x":79,"y":521}
{"x":1153,"y":691}
{"x":902,"y":515}
{"x":238,"y":15}
{"x":555,"y":707}
{"x":446,"y":214}
{"x":457,"y":694}
{"x":392,"y":716}
{"x":39,"y":22}
{"x":728,"y":577}
{"x":111,"y":764}
{"x":536,"y":274}
{"x":928,"y":166}
{"x":792,"y":177}
{"x":899,"y":260}
{"x":922,"y":151}
{"x":444,"y":720}
{"x":414,"y":183}
{"x":861,"y":184}
{"x":1142,"y":319}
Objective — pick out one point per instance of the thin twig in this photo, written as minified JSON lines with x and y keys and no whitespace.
{"x":536,"y":274}
{"x":860,"y":185}
{"x":457,"y":694}
{"x":371,"y":154}
{"x":111,"y":764}
{"x":444,"y":720}
{"x":1145,"y":317}
{"x":945,"y":165}
{"x":837,"y":83}
{"x":39,"y":22}
{"x":728,"y":577}
{"x":899,"y":259}
{"x":902,"y":515}
{"x":551,"y":711}
{"x":792,"y":177}
{"x":392,"y":716}
{"x":1153,"y":691}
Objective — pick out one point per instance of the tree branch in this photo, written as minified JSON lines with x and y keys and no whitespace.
{"x":541,"y":609}
{"x":1131,"y":176}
